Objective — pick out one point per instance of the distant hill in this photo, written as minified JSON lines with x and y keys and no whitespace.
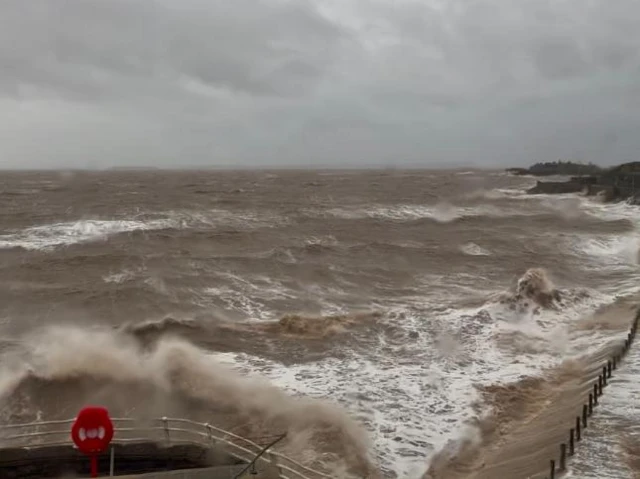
{"x":551,"y":168}
{"x":134,"y":168}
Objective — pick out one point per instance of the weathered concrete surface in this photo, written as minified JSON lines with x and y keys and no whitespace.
{"x":65,"y":461}
{"x":219,"y":472}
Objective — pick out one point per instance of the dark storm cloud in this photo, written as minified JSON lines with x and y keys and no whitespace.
{"x":91,"y":47}
{"x":176,"y":82}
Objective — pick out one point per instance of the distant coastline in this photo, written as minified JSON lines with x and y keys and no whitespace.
{"x":133,"y":168}
{"x":554,"y":168}
{"x":618,"y":183}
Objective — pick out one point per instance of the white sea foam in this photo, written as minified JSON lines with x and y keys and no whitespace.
{"x":611,"y":211}
{"x":48,"y":236}
{"x":63,"y":234}
{"x":120,"y":277}
{"x":501,"y":193}
{"x":616,"y":250}
{"x":472,"y":249}
{"x":613,"y":252}
{"x":441,"y":212}
{"x":416,"y":394}
{"x":246,"y":296}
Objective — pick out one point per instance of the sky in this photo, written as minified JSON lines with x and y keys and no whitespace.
{"x":324,"y":83}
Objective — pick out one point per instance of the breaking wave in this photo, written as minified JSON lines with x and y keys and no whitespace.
{"x":621,"y":249}
{"x":441,"y":212}
{"x":62,"y":234}
{"x":49,"y":236}
{"x":67,"y":367}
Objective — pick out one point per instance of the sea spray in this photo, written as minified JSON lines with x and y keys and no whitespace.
{"x":70,"y":366}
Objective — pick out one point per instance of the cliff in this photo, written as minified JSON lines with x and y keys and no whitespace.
{"x":556,"y":188}
{"x":618,"y":183}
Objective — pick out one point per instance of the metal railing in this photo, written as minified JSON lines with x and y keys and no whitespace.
{"x":170,"y":431}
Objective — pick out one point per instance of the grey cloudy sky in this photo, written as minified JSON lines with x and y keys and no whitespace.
{"x":100,"y":83}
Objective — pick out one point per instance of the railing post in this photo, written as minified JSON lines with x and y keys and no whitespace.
{"x":578,"y":429}
{"x":552,"y":469}
{"x":584,"y":416}
{"x":260,"y":454}
{"x":563,"y":457}
{"x":209,"y":432}
{"x":112,"y":461}
{"x":595,"y":394}
{"x":609,"y":368}
{"x":273,"y":459}
{"x":604,"y":375}
{"x":590,"y":404}
{"x":166,"y":429}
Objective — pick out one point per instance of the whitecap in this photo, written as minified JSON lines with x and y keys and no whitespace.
{"x":472,"y":249}
{"x":63,"y":234}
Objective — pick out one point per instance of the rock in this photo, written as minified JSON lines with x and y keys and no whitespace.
{"x":556,"y":187}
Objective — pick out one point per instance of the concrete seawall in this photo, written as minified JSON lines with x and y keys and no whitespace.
{"x":219,"y":472}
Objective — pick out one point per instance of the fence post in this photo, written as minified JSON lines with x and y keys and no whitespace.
{"x":552,"y":469}
{"x":571,"y":442}
{"x":604,"y":375}
{"x":600,"y":388}
{"x":595,"y":394}
{"x":166,"y":429}
{"x":584,"y":416}
{"x":578,"y":429}
{"x":590,"y":404}
{"x":112,"y":461}
{"x":609,"y":368}
{"x":563,"y":457}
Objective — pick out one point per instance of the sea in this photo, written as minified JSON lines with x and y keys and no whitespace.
{"x":374,"y":316}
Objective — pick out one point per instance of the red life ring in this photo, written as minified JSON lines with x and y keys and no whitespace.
{"x":92,"y":430}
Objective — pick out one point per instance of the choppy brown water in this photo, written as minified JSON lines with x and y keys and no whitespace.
{"x":118,"y":287}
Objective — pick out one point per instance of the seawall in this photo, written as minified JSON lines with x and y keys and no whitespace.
{"x":539,"y":422}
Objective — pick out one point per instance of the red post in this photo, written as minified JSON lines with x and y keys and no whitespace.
{"x":94,"y":465}
{"x":92,"y":432}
